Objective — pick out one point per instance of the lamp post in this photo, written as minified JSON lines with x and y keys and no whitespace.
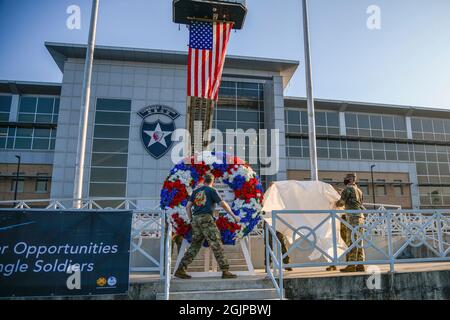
{"x":373,"y":185}
{"x":17,"y":178}
{"x":85,"y":104}
{"x":310,"y":96}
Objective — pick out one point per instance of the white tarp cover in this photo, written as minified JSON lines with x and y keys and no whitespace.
{"x":304,"y":195}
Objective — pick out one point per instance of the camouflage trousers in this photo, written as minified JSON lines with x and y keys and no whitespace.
{"x":282,"y":239}
{"x":356,"y":253}
{"x":204,"y":228}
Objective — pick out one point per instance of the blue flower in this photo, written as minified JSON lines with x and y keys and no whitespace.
{"x":238,"y":182}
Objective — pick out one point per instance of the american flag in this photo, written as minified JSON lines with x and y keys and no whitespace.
{"x":207,"y":49}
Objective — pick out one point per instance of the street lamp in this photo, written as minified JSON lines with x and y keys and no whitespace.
{"x":17,"y":177}
{"x":373,"y":185}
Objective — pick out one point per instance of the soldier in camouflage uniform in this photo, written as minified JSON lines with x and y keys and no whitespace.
{"x":200,"y":210}
{"x":352,"y":199}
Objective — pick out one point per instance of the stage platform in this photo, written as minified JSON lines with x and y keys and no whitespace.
{"x":410,"y":281}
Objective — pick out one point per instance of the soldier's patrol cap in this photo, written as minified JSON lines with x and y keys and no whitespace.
{"x":351,"y":176}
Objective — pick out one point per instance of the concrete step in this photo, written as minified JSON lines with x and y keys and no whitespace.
{"x":218,"y":284}
{"x":201,"y":268}
{"x":241,"y":294}
{"x":229,"y":255}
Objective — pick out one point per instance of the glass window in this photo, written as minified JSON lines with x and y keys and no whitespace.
{"x":4,"y":117}
{"x":400,"y":123}
{"x":416,"y":125}
{"x":22,"y":143}
{"x":45,"y":105}
{"x":293,"y":117}
{"x":24,"y":132}
{"x":20,"y":185}
{"x":43,"y":118}
{"x":41,"y":185}
{"x":427,"y":125}
{"x":112,"y":132}
{"x":438,"y":126}
{"x":43,"y":133}
{"x":321,"y":119}
{"x":248,"y":116}
{"x":38,"y":109}
{"x":113,"y":105}
{"x":335,"y":153}
{"x":56,"y":108}
{"x":363,"y":121}
{"x":27,"y":104}
{"x":398,"y":188}
{"x":120,"y":118}
{"x":379,"y":155}
{"x":388,"y":123}
{"x":26,"y":117}
{"x":5,"y":108}
{"x":40,"y":144}
{"x":350,"y":120}
{"x":109,"y":174}
{"x":109,"y":160}
{"x":247,"y":94}
{"x":110,"y":148}
{"x":332,"y":119}
{"x":223,"y":92}
{"x":5,"y":103}
{"x":106,"y":145}
{"x":375,"y":122}
{"x":380,"y":187}
{"x":109,"y":190}
{"x":364,"y":186}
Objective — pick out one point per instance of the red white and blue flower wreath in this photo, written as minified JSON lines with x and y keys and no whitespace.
{"x":233,"y":172}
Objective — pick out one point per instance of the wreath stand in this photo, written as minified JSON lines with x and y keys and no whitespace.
{"x":213,"y":271}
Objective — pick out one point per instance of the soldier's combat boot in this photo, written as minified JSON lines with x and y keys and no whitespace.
{"x":331,"y":268}
{"x":360,"y":268}
{"x":228,"y":275}
{"x":181,"y":273}
{"x":349,"y":269}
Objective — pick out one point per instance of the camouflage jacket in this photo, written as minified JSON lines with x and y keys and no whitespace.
{"x":352,"y":198}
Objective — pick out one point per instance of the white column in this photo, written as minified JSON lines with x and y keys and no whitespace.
{"x":14,"y":112}
{"x":409,"y":128}
{"x":342,"y":124}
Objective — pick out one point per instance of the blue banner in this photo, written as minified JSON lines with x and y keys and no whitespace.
{"x":64,"y":253}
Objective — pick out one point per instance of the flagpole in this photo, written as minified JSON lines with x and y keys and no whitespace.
{"x":310,"y":97}
{"x":85,"y":105}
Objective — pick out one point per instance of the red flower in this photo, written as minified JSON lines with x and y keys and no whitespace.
{"x":223,"y":224}
{"x":181,"y":227}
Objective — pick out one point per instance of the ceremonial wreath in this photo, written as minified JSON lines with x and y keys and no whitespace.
{"x":232,"y":171}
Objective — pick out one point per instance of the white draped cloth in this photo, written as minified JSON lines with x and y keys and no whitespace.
{"x":305,"y":195}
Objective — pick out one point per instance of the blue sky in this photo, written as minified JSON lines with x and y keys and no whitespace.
{"x":407,"y":62}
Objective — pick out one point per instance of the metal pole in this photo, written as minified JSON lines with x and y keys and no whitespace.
{"x":85,"y":103}
{"x":17,"y":179}
{"x":373,"y":185}
{"x":310,"y":97}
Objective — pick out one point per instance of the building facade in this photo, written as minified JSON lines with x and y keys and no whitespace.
{"x":137,"y":93}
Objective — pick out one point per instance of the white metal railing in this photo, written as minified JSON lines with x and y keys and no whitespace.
{"x":148,"y":221}
{"x":274,"y":260}
{"x":400,"y":229}
{"x":168,"y":260}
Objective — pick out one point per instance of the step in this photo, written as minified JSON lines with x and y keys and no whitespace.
{"x":198,"y":262}
{"x":218,"y":284}
{"x":241,"y":294}
{"x":229,"y":255}
{"x":201,"y":268}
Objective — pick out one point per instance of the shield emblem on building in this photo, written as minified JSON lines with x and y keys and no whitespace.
{"x":156,"y":131}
